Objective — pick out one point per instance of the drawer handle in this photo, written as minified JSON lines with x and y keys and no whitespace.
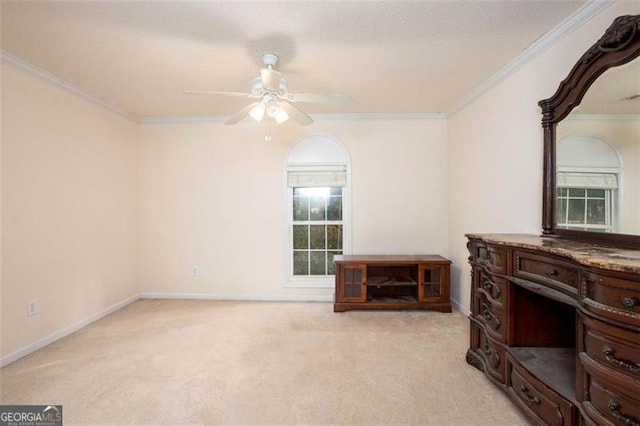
{"x":496,"y":292}
{"x":614,"y":407}
{"x":486,"y":349}
{"x":486,"y":284}
{"x":533,"y":400}
{"x":550,"y":272}
{"x":491,"y":288}
{"x":491,"y":317}
{"x":608,"y":353}
{"x":629,"y":302}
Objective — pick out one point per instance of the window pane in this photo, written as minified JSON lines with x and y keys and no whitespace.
{"x":595,"y":193}
{"x":334,"y":209}
{"x":300,"y":237}
{"x":300,"y":208}
{"x":314,"y":246}
{"x":576,"y":211}
{"x":576,"y":192}
{"x":318,"y":209}
{"x":562,"y":192}
{"x":562,"y":210}
{"x":334,"y":236}
{"x":596,"y":212}
{"x":300,"y":263}
{"x":318,"y":263}
{"x":316,"y":234}
{"x":330,"y":265}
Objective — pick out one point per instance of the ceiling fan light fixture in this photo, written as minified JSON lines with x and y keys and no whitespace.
{"x":281,"y":116}
{"x":257,"y":112}
{"x":272,"y":107}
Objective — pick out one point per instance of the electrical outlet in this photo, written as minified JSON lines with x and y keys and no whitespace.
{"x":194,"y":270}
{"x":31,"y":308}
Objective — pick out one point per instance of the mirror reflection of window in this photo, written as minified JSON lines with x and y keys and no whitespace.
{"x":588,"y":178}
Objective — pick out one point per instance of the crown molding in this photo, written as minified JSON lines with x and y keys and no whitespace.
{"x":379,"y":116}
{"x":316,"y":117}
{"x":65,"y":85}
{"x":603,"y":117}
{"x":185,"y":119}
{"x":566,"y":27}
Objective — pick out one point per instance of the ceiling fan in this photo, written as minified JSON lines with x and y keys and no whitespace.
{"x":274,"y":102}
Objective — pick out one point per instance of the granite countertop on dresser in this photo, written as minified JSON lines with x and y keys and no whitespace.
{"x":588,"y":254}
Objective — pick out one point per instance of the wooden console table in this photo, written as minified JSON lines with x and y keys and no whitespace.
{"x":392,"y":282}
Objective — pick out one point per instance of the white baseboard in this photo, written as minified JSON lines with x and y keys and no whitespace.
{"x":64,"y":332}
{"x":248,"y":298}
{"x":460,"y":308}
{"x":195,"y":296}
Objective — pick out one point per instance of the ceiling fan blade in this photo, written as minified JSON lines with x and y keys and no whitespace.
{"x":295,"y":114}
{"x":218,"y":93}
{"x":241,"y":114}
{"x":319,"y":98}
{"x":270,"y":79}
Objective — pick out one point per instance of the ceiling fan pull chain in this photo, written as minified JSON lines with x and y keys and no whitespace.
{"x":267,"y":138}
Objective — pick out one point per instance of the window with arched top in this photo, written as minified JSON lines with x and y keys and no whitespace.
{"x":318,"y":205}
{"x":588,"y":179}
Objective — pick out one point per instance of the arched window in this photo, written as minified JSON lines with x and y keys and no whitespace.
{"x":317,"y":176}
{"x":588,"y":178}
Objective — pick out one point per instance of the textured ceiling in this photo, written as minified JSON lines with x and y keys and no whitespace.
{"x":390,"y":56}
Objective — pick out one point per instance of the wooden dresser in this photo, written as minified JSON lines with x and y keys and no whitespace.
{"x":556,"y":324}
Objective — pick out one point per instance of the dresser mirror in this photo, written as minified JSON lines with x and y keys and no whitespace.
{"x":591,"y":188}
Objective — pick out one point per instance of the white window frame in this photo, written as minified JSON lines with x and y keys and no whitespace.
{"x":588,"y":161}
{"x":610,"y":195}
{"x":320,"y":174}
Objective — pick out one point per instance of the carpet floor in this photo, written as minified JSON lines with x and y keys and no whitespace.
{"x":178,"y":362}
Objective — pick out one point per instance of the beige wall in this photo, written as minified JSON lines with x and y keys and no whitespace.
{"x":69,"y":209}
{"x":495,"y":148}
{"x":214,"y":196}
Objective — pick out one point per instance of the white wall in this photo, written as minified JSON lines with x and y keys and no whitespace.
{"x":214,"y":196}
{"x":495,"y":148}
{"x":69,"y":209}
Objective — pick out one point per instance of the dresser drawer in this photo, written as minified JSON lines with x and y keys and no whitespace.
{"x":493,"y":258}
{"x":494,"y":288}
{"x":542,"y":405}
{"x":546,"y":270}
{"x":608,"y":406}
{"x":490,"y":352}
{"x":493,"y":318}
{"x":614,"y":348}
{"x":612,"y":297}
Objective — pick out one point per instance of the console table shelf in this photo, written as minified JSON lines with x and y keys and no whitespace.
{"x":392,"y":282}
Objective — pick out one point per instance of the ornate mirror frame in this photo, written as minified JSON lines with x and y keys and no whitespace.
{"x":619,"y":45}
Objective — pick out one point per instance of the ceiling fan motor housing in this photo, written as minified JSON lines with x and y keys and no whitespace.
{"x":270,"y":60}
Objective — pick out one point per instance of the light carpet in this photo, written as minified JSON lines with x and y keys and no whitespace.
{"x":178,"y":362}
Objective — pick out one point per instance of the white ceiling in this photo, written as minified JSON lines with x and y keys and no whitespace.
{"x":390,"y":56}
